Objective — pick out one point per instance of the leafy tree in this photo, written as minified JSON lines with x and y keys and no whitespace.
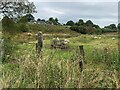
{"x":79,"y":29}
{"x":81,"y":22}
{"x":23,"y":20}
{"x":26,"y":18}
{"x":113,"y":26}
{"x":7,"y":24}
{"x":29,"y":17}
{"x":98,"y":31}
{"x":90,"y":29}
{"x":38,"y":19}
{"x":96,"y":26}
{"x":118,"y":26}
{"x":75,"y":28}
{"x":43,"y":20}
{"x":51,"y":19}
{"x":82,"y":30}
{"x":70,"y":23}
{"x":22,"y":27}
{"x":56,"y":20}
{"x":110,"y":28}
{"x":89,"y":23}
{"x":16,"y":9}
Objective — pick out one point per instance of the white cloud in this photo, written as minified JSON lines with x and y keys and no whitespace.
{"x":102,"y":13}
{"x":53,"y":11}
{"x":114,"y":14}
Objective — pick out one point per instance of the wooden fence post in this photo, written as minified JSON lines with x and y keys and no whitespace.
{"x":106,"y":57}
{"x":39,"y":44}
{"x":82,"y":53}
{"x":81,"y":65}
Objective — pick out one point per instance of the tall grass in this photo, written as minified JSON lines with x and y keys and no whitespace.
{"x":60,"y":68}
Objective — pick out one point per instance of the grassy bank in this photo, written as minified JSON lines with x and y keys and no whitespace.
{"x":60,"y":68}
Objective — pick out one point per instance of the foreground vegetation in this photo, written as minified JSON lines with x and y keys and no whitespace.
{"x":22,"y":68}
{"x":57,"y":68}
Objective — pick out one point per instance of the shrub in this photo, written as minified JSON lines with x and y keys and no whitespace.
{"x":9,"y":48}
{"x":22,"y":27}
{"x":98,"y":31}
{"x":90,"y":30}
{"x":79,"y":29}
{"x":8,"y":24}
{"x":104,"y":30}
{"x":70,"y":23}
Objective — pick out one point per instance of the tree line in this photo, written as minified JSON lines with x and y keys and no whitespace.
{"x":89,"y":27}
{"x":17,"y":14}
{"x":81,"y":26}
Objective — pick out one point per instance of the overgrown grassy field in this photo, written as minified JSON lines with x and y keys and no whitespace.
{"x":22,"y":68}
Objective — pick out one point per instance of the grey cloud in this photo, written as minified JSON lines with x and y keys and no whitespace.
{"x":96,"y":11}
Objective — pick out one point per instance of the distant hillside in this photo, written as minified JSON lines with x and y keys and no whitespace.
{"x":46,"y":28}
{"x":72,"y":28}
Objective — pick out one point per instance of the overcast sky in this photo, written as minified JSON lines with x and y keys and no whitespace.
{"x":101,"y":13}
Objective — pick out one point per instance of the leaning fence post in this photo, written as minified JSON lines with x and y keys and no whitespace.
{"x":39,"y":44}
{"x":81,"y":65}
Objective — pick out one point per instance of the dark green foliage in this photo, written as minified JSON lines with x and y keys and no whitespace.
{"x":96,"y":26}
{"x":22,"y":27}
{"x":26,"y":18}
{"x":79,"y":29}
{"x":89,"y":23}
{"x":53,"y":21}
{"x":9,"y":49}
{"x":8,"y":24}
{"x":90,"y":28}
{"x":56,"y":20}
{"x":23,"y":20}
{"x":30,"y":17}
{"x":105,"y":30}
{"x":43,"y":20}
{"x":113,"y":26}
{"x":38,"y":19}
{"x":109,"y":28}
{"x":118,"y":26}
{"x":84,"y":28}
{"x":80,"y":22}
{"x":70,"y":23}
{"x":98,"y":31}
